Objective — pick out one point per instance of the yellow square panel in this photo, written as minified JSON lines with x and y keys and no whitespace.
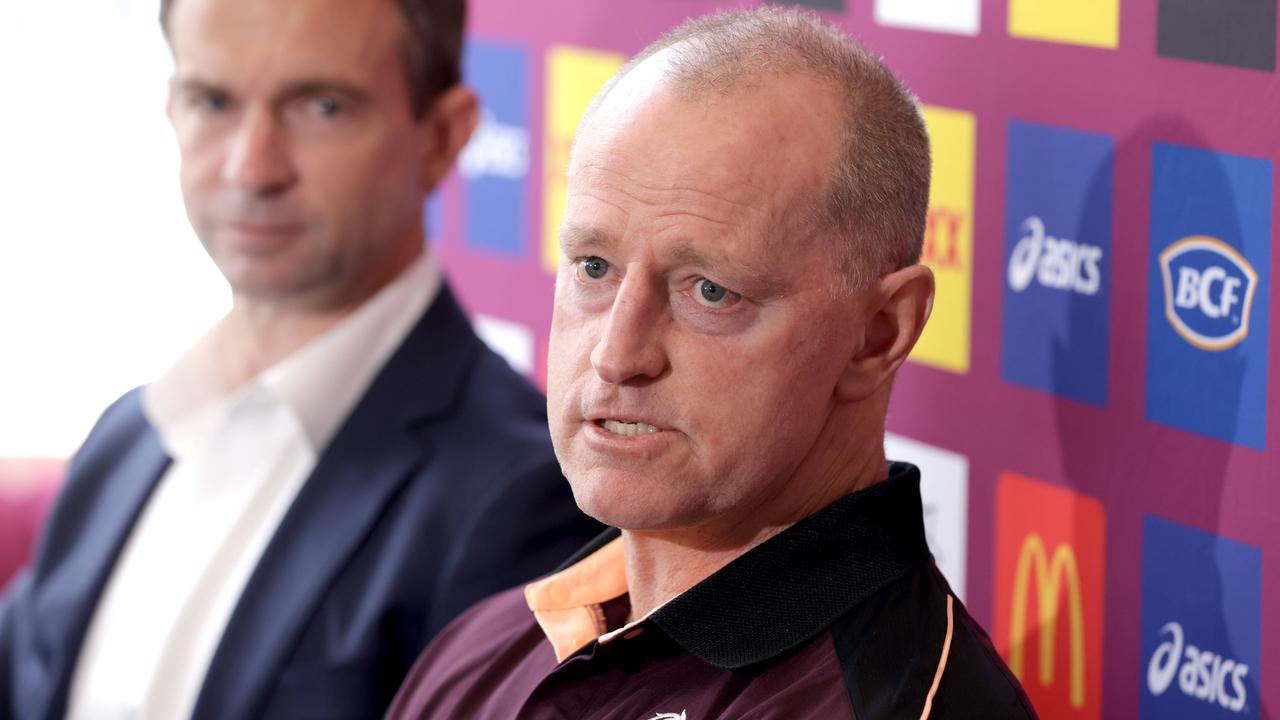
{"x":948,"y":242}
{"x":1081,"y":22}
{"x":574,"y":75}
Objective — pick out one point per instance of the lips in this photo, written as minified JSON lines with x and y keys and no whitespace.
{"x":262,"y":237}
{"x":251,"y":228}
{"x":627,"y":428}
{"x":627,"y":437}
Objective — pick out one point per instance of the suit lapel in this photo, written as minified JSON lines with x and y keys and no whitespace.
{"x":68,"y":597}
{"x":368,"y":461}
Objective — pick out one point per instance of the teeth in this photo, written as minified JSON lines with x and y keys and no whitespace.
{"x":628,"y":429}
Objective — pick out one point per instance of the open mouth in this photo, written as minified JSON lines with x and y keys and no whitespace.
{"x":627,"y":428}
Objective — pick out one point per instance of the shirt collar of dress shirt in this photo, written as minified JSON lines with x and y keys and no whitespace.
{"x":320,"y":382}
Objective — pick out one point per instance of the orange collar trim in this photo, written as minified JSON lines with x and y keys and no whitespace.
{"x":567,"y":604}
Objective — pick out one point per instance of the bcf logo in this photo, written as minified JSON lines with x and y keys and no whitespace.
{"x":1208,"y":290}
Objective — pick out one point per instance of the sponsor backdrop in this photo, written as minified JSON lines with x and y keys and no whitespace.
{"x":1093,"y":403}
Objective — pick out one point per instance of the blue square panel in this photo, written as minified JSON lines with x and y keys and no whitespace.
{"x":495,"y":163}
{"x":1201,"y":622}
{"x":1057,"y":261}
{"x":1207,"y":293}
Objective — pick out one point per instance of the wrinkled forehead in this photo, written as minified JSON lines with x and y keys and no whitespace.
{"x":768,"y":141}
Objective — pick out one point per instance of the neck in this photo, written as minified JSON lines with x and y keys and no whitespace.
{"x":258,"y":336}
{"x":847,"y":456}
{"x":260,"y":332}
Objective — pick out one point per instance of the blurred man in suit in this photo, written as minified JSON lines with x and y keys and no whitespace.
{"x":739,"y":285}
{"x":277,"y":526}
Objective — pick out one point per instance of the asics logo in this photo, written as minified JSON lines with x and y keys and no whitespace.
{"x":1201,"y":674}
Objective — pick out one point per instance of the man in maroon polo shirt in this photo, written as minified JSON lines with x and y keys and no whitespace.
{"x":739,"y":284}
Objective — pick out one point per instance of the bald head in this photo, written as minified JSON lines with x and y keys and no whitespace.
{"x":874,"y":197}
{"x":753,"y":166}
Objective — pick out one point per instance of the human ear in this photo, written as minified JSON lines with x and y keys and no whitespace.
{"x":448,"y":125}
{"x":897,"y":307}
{"x":168,"y":103}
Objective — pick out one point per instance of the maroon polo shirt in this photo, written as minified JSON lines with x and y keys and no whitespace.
{"x":841,"y":616}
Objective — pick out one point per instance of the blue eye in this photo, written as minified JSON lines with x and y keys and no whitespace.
{"x":712,"y":295}
{"x":213,"y":101}
{"x":593,"y":267}
{"x":325,"y":106}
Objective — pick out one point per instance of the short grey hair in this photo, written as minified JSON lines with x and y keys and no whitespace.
{"x":877,"y":193}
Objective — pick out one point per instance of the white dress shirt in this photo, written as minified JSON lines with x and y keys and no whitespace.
{"x":240,"y":456}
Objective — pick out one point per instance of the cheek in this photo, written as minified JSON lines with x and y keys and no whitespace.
{"x":200,"y":168}
{"x":367,"y":162}
{"x":203,"y":146}
{"x":365,"y":199}
{"x":200,"y":176}
{"x":802,"y":393}
{"x":750,"y":394}
{"x":574,"y":324}
{"x":342,"y":174}
{"x":568,"y":354}
{"x":717,"y":387}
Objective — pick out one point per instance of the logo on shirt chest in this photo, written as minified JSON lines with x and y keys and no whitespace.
{"x":669,"y":716}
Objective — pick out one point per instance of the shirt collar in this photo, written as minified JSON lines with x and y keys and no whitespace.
{"x":320,"y":382}
{"x":774,"y":598}
{"x":323,"y":380}
{"x":567,"y":605}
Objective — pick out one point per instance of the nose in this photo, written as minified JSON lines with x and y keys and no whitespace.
{"x":259,"y":160}
{"x":631,"y":350}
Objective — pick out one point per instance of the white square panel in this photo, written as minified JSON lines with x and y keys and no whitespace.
{"x":950,"y":16}
{"x":944,"y":492}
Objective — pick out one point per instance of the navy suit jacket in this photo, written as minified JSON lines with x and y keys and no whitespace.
{"x":439,"y":489}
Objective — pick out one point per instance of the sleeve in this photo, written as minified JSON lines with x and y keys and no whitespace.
{"x":13,"y":607}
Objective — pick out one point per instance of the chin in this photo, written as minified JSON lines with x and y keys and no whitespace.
{"x":630,"y":502}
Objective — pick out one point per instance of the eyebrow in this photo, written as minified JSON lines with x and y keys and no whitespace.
{"x":304,"y":88}
{"x":752,"y":281}
{"x":576,"y":238}
{"x":193,"y":85}
{"x":301,"y":88}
